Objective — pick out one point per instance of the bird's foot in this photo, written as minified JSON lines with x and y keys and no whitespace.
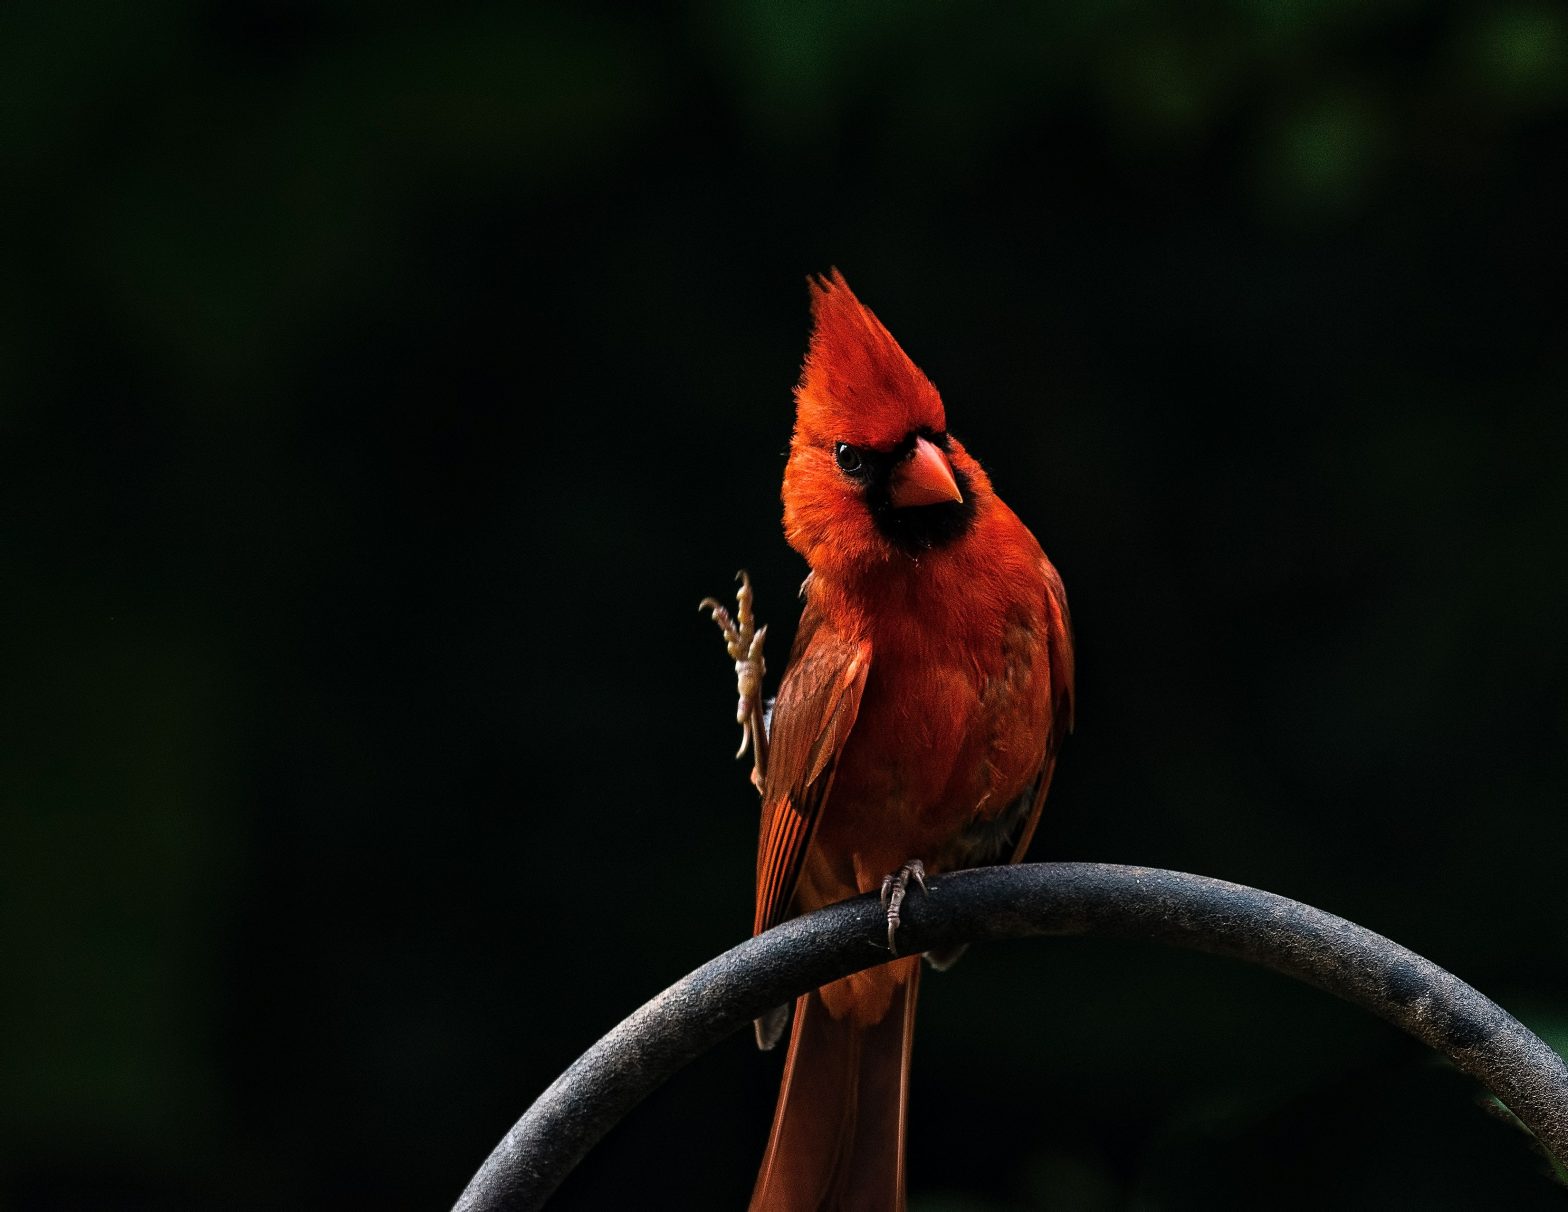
{"x":894,"y":889}
{"x":743,"y":641}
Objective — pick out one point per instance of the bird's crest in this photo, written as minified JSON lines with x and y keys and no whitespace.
{"x":858,"y":386}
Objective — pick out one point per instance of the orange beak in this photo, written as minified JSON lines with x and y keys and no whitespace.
{"x":924,"y":478}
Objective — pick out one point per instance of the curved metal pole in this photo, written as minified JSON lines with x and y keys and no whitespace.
{"x":1182,"y":910}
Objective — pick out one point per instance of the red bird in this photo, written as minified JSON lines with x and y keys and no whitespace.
{"x":915,"y":730}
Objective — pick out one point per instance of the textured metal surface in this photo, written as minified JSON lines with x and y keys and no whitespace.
{"x":1182,"y":910}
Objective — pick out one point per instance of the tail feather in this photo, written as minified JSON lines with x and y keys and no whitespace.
{"x":838,"y":1132}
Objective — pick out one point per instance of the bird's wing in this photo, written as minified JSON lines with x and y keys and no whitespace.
{"x":1059,"y":658}
{"x":812,"y":717}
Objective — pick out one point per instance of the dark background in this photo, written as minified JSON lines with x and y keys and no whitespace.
{"x":379,"y":394}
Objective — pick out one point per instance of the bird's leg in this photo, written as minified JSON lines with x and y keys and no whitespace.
{"x":894,"y":888}
{"x":743,"y":641}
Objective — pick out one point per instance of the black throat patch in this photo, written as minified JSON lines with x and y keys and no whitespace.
{"x":916,"y":528}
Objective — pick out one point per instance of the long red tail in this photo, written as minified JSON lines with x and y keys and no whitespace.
{"x":838,"y":1132}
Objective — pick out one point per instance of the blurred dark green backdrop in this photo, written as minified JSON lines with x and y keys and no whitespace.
{"x":379,"y":394}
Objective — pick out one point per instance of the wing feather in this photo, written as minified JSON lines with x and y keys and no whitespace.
{"x":1061,"y":662}
{"x":812,"y":717}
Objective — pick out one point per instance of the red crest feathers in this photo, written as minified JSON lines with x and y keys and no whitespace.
{"x":858,"y":386}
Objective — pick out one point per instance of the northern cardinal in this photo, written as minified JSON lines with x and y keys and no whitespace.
{"x":915,"y":729}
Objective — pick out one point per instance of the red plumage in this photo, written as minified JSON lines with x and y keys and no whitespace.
{"x":928,"y":690}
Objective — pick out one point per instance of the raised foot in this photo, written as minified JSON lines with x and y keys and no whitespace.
{"x":894,"y":889}
{"x":743,"y":641}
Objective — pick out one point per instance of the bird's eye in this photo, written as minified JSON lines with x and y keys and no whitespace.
{"x":848,"y":458}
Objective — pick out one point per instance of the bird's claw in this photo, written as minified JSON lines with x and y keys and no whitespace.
{"x":894,"y":889}
{"x":743,"y":640}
